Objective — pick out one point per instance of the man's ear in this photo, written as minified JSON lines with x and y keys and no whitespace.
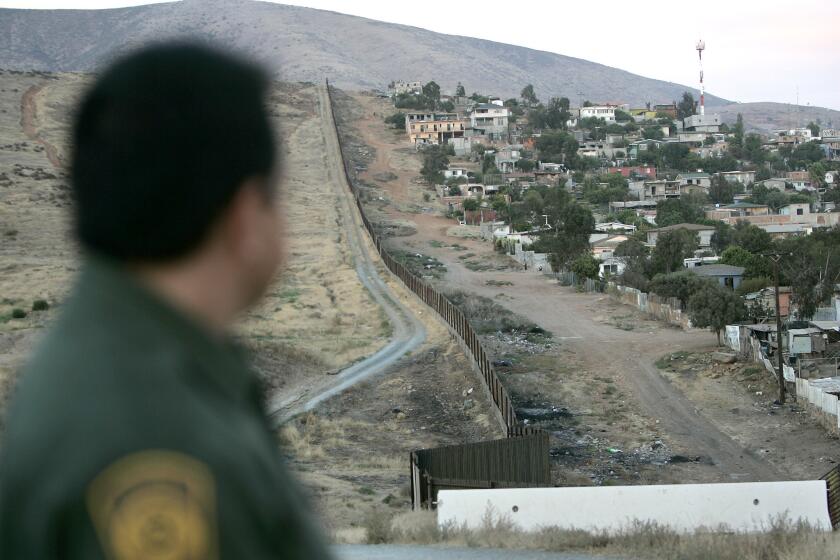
{"x":238,"y":222}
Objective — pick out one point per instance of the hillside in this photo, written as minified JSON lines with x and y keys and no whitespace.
{"x":304,"y":44}
{"x":766,"y":116}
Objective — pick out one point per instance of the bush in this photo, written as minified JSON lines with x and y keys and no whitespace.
{"x":40,"y":305}
{"x":680,"y":285}
{"x":18,"y":313}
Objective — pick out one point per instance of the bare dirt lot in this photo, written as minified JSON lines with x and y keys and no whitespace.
{"x":614,"y":417}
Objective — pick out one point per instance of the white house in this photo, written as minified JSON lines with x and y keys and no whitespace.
{"x":455,"y":172}
{"x":600,"y":111}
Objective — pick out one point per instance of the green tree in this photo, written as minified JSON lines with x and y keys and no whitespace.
{"x":752,"y":149}
{"x":814,"y":128}
{"x":585,"y":266}
{"x":460,"y":91}
{"x":752,"y":238}
{"x":805,"y":154}
{"x":653,"y":133}
{"x":397,"y":120}
{"x":683,"y":210}
{"x":712,"y":306}
{"x":432,"y":91}
{"x":435,"y":160}
{"x":687,"y":106}
{"x":569,"y":237}
{"x":680,"y":285}
{"x":671,"y":248}
{"x":621,"y":116}
{"x":736,"y":145}
{"x":755,"y":266}
{"x":470,"y":204}
{"x":529,"y":97}
{"x":721,"y":191}
{"x":722,"y":238}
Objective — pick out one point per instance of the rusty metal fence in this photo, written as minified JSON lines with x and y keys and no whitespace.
{"x":505,"y":463}
{"x":453,"y":316}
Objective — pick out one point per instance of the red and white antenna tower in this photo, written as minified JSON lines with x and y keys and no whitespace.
{"x":701,"y":46}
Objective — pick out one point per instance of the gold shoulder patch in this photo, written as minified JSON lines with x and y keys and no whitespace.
{"x":155,"y":505}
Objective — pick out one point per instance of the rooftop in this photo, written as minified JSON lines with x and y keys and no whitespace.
{"x":717,"y":270}
{"x":690,"y":227}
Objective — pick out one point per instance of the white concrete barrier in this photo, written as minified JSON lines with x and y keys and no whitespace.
{"x":743,"y":507}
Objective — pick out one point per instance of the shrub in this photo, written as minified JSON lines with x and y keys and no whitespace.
{"x":40,"y":305}
{"x":18,"y":313}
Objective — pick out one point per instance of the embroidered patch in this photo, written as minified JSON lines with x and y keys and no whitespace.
{"x":156,"y":505}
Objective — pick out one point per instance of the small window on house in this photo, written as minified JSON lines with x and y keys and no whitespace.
{"x":799,"y":211}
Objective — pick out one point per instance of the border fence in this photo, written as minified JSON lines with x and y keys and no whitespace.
{"x":832,"y":480}
{"x":512,"y":462}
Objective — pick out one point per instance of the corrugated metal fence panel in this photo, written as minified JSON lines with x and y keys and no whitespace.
{"x":514,"y":460}
{"x":832,"y":479}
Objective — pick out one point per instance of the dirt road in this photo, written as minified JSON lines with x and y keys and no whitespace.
{"x":408,"y":332}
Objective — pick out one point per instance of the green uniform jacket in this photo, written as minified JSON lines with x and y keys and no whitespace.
{"x":134,"y":434}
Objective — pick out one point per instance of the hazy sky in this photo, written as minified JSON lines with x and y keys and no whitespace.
{"x":756,"y":50}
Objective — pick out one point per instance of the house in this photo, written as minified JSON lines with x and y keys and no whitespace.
{"x":660,"y":190}
{"x":400,"y":87}
{"x":611,"y":266}
{"x":776,"y":183}
{"x":455,"y":172}
{"x":634,"y":171}
{"x":704,"y":233}
{"x":506,"y":158}
{"x":742,"y":177}
{"x":614,"y":139}
{"x":490,"y":120}
{"x":797,"y":209}
{"x":702,"y":179}
{"x":478,"y":217}
{"x":801,"y":180}
{"x":644,"y":114}
{"x":600,"y":111}
{"x":783,"y":231}
{"x":807,"y":341}
{"x":669,"y":110}
{"x":702,"y":123}
{"x":691,"y":262}
{"x":726,"y":275}
{"x":434,"y":128}
{"x":737,"y":210}
{"x":603,"y":246}
{"x":691,"y":137}
{"x":615,"y":226}
{"x":555,"y":167}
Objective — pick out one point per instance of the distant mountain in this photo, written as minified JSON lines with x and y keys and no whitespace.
{"x":766,"y":116}
{"x":304,"y":44}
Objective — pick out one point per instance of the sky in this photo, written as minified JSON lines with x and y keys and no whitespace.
{"x":756,"y":50}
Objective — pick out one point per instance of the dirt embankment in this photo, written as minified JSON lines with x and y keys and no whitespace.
{"x":28,"y":122}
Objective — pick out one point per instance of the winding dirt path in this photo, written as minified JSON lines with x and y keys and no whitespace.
{"x":408,"y":331}
{"x":29,"y":123}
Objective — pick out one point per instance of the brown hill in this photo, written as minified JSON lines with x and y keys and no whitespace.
{"x":304,"y":44}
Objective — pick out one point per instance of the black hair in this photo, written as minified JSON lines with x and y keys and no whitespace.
{"x":161,"y":142}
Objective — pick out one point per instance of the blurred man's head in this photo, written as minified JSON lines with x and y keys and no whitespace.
{"x":173,"y":166}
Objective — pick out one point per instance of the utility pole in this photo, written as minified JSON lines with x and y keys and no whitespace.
{"x":776,"y":258}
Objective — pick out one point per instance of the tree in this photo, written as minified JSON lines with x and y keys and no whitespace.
{"x":814,"y":128}
{"x":680,"y":285}
{"x":435,"y":160}
{"x":755,"y":266}
{"x":557,"y":113}
{"x":585,"y":266}
{"x":470,"y":204}
{"x":432,"y":91}
{"x":397,"y":120}
{"x":653,"y":133}
{"x":805,"y":154}
{"x":529,"y":97}
{"x":569,"y":237}
{"x":737,"y":144}
{"x":671,"y":248}
{"x":722,"y":237}
{"x":687,"y":106}
{"x":621,"y":116}
{"x":460,"y":91}
{"x":752,"y":238}
{"x":721,"y":191}
{"x":713,"y":306}
{"x":683,"y":210}
{"x":752,"y":149}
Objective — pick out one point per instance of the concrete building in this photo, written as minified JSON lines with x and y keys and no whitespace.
{"x":400,"y":87}
{"x":507,"y":157}
{"x":434,"y":128}
{"x":701,"y":179}
{"x":491,"y":121}
{"x":702,"y":123}
{"x":660,"y":190}
{"x":742,"y":177}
